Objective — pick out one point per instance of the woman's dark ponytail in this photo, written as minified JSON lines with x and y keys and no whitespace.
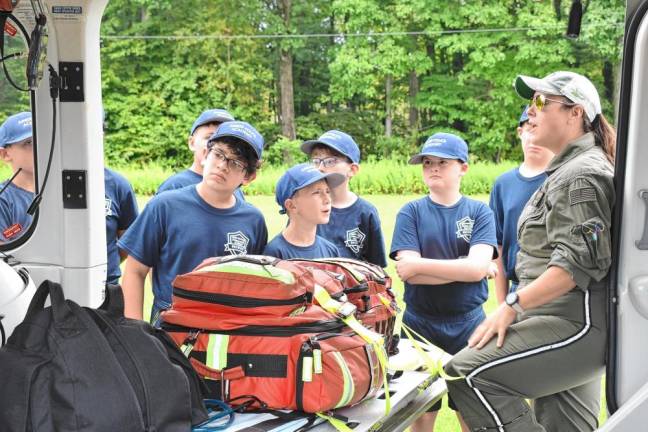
{"x":604,"y":135}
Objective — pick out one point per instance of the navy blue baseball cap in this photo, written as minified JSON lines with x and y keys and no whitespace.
{"x":300,"y":176}
{"x":524,"y":117}
{"x":243,"y":131}
{"x":443,"y":145}
{"x":339,"y":141}
{"x":16,"y":128}
{"x":211,"y":116}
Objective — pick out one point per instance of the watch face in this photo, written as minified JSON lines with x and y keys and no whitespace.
{"x":511,"y":298}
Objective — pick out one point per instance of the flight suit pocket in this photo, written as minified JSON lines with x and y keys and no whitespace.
{"x":596,"y":238}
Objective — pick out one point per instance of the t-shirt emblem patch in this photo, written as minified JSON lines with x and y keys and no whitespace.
{"x":465,"y":228}
{"x":108,"y":207}
{"x":355,"y":239}
{"x":237,"y":243}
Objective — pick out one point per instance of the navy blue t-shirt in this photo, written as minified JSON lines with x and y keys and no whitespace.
{"x":510,"y":194}
{"x":14,"y":219}
{"x":187,"y":178}
{"x":356,"y":232}
{"x":440,"y":232}
{"x":121,"y":211}
{"x":321,"y":248}
{"x":177,"y":230}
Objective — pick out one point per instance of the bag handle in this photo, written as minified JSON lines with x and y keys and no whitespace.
{"x":61,"y":312}
{"x":113,"y":304}
{"x":252,"y":259}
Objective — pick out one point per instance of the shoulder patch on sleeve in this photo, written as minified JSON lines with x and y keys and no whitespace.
{"x":582,"y":195}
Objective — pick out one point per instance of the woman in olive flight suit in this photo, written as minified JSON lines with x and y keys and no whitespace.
{"x":547,"y":341}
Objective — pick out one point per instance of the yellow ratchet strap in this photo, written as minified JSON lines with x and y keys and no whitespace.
{"x":345,"y":311}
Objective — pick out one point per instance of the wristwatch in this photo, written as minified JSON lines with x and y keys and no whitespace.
{"x":512,"y":300}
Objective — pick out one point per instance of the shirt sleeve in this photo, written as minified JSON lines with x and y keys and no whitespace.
{"x":578,"y":227}
{"x":495,"y":204}
{"x":376,"y":243}
{"x":144,"y":239}
{"x":262,"y":237}
{"x":484,"y":231}
{"x":405,"y":232}
{"x":127,"y":207}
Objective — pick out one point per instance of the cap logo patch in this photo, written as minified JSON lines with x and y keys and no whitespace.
{"x":245,"y":131}
{"x":25,"y":122}
{"x":331,"y":135}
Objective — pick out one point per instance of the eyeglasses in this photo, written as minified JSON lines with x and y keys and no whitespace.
{"x":539,"y":101}
{"x":232,"y":164}
{"x":327,"y":162}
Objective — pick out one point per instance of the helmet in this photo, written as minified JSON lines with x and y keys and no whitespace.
{"x":16,"y":292}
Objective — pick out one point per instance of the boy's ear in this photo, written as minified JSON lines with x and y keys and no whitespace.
{"x":249,"y":178}
{"x":355,"y":168}
{"x":290,"y":205}
{"x":190,"y":143}
{"x":519,"y":131}
{"x":4,"y":155}
{"x":464,"y":169}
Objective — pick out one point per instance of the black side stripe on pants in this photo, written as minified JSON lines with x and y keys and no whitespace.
{"x":556,"y":345}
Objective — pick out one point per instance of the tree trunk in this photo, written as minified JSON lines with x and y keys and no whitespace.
{"x":388,"y":113}
{"x":286,"y":80}
{"x":413,"y":111}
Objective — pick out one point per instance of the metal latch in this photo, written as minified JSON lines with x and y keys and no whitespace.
{"x":643,"y":243}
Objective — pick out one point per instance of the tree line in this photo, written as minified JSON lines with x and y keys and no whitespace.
{"x":389,"y":72}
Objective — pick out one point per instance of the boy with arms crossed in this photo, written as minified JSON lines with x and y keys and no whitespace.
{"x":444,"y":244}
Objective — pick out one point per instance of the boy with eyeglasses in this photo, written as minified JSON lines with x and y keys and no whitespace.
{"x":509,"y":195}
{"x":202,"y":129}
{"x":354,"y":225}
{"x":443,"y":245}
{"x":179,"y":229}
{"x":303,"y":193}
{"x":16,"y":149}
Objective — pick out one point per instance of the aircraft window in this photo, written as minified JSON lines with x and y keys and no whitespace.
{"x":17,"y":144}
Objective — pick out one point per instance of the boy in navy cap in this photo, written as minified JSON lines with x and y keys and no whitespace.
{"x":444,"y":244}
{"x":509,"y":195}
{"x":304,"y":194}
{"x":179,"y":229}
{"x":354,"y":226}
{"x":16,"y":149}
{"x":202,"y":129}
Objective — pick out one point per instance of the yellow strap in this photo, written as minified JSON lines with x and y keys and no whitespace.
{"x":337,"y":424}
{"x":434,"y":366}
{"x":376,"y":340}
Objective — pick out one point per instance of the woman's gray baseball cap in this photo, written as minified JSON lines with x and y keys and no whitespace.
{"x":573,"y":86}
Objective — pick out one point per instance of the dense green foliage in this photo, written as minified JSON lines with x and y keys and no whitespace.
{"x":389,"y":72}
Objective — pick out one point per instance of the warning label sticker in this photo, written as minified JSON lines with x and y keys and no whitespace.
{"x":9,"y":29}
{"x":12,"y":231}
{"x":71,"y":12}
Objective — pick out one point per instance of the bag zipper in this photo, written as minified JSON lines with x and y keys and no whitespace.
{"x":239,"y":301}
{"x":316,"y":327}
{"x":147,"y":402}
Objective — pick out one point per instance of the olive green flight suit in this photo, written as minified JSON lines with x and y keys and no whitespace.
{"x":553,"y":354}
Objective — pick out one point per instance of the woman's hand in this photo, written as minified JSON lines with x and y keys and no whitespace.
{"x":407,"y":267}
{"x":495,"y":324}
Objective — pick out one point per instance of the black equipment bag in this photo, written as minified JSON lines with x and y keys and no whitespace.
{"x":68,"y":368}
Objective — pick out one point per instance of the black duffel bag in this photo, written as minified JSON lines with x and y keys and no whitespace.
{"x":68,"y":368}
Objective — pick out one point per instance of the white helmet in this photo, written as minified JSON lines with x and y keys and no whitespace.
{"x":16,"y":292}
